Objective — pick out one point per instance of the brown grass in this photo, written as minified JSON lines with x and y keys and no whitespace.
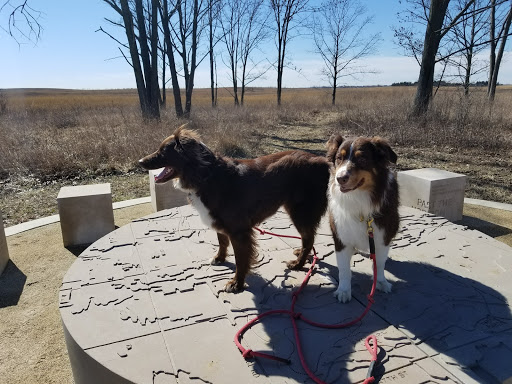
{"x":49,"y":138}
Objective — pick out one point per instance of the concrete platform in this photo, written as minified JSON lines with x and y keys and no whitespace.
{"x":143,"y":305}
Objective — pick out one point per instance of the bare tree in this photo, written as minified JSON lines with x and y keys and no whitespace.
{"x":243,"y":29}
{"x":469,"y":37}
{"x":214,"y":11}
{"x":433,"y":15}
{"x":433,"y":35}
{"x":338,"y":30}
{"x":22,"y":21}
{"x":186,"y":29}
{"x":285,"y":12}
{"x":256,"y":32}
{"x":166,"y":15}
{"x":134,"y":21}
{"x":501,"y":37}
{"x":230,"y":21}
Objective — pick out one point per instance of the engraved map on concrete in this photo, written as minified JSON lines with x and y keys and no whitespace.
{"x":145,"y":303}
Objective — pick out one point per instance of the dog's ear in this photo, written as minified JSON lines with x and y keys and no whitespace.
{"x":384,"y":149}
{"x":177,"y":137}
{"x":332,"y":147}
{"x":184,"y":136}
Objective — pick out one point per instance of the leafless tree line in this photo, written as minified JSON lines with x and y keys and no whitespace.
{"x":176,"y":36}
{"x":442,"y":32}
{"x":453,"y":33}
{"x":181,"y":34}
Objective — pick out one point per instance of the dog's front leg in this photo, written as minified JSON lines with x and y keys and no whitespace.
{"x":344,"y":291}
{"x":381,"y":255}
{"x":245,"y":252}
{"x":221,"y":255}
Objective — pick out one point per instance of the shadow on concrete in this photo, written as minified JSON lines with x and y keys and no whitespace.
{"x":431,"y":311}
{"x":77,"y":249}
{"x":12,"y":282}
{"x":490,"y":229}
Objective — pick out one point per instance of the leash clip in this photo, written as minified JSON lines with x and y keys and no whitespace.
{"x":369,"y":222}
{"x":370,"y":369}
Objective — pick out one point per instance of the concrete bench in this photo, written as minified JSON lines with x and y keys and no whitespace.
{"x":86,"y":213}
{"x":433,"y":190}
{"x":4,"y":252}
{"x":164,"y":196}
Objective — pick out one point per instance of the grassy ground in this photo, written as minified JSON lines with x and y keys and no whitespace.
{"x":52,"y":138}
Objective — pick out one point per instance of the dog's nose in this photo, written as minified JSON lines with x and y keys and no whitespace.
{"x":343,"y":178}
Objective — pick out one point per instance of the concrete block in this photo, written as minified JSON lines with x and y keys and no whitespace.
{"x":4,"y":252}
{"x":86,"y":213}
{"x":433,"y":190}
{"x":164,"y":196}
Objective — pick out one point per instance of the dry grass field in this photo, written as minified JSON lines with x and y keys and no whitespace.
{"x":52,"y":138}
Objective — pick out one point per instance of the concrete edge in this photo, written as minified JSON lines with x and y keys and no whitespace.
{"x":15,"y":229}
{"x":489,"y":204}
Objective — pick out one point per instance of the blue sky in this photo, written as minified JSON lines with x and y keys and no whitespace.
{"x":70,"y":54}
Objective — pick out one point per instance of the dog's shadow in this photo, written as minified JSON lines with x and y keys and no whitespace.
{"x":431,"y":314}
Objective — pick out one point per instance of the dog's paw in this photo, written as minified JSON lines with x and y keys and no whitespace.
{"x":384,"y":286}
{"x":294,"y":265}
{"x":233,"y":287}
{"x":343,"y":295}
{"x":216,"y":261}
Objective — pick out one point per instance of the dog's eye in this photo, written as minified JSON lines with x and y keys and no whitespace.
{"x":361,"y":161}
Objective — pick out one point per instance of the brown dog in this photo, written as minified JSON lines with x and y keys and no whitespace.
{"x":232,"y":196}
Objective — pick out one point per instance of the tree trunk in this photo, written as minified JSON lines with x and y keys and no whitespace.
{"x":189,"y":80}
{"x":164,"y":70}
{"x":172,"y":64}
{"x":492,"y":45}
{"x":234,"y":77}
{"x":469,"y":54}
{"x":212,"y":82}
{"x":279,"y":72}
{"x":134,"y":54}
{"x":244,"y":68}
{"x":428,"y":59}
{"x":505,"y":31}
{"x":335,"y":78}
{"x":154,"y":87}
{"x":152,"y":107}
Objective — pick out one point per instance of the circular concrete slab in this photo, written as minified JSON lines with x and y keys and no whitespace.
{"x":144,"y":305}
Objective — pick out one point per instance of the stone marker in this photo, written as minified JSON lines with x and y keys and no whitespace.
{"x":4,"y":252}
{"x":86,"y":213}
{"x":164,"y":196}
{"x":433,"y":190}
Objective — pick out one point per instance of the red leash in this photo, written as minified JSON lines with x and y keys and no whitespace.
{"x":249,"y":353}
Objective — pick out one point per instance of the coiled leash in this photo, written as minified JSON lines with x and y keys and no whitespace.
{"x":294,"y":316}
